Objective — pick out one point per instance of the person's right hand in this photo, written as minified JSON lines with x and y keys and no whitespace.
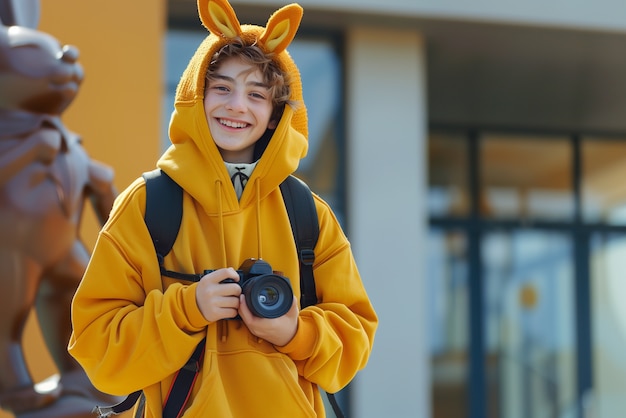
{"x":218,"y":300}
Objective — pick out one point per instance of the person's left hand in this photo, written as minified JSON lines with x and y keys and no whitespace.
{"x":278,"y":331}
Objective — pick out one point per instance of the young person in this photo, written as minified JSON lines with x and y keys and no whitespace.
{"x":238,"y":130}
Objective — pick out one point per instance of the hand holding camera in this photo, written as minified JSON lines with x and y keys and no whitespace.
{"x":278,"y":331}
{"x":216,"y":300}
{"x":263,"y":298}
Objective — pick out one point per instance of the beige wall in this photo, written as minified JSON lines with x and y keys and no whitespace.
{"x":118,"y":109}
{"x":386,"y":149}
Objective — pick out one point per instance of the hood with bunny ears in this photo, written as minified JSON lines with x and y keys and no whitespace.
{"x":192,"y":144}
{"x":219,"y":18}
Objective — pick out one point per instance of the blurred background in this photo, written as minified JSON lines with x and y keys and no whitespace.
{"x":475,"y":153}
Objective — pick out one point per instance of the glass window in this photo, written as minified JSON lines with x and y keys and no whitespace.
{"x":320,"y":69}
{"x":528,"y":274}
{"x":448,"y":175}
{"x":448,"y":312}
{"x":526,"y":177}
{"x":530,"y":317}
{"x":608,"y":287}
{"x":603,"y":185}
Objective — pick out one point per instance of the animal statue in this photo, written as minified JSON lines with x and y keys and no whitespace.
{"x":46,"y":177}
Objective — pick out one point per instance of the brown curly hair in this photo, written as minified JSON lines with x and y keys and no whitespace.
{"x":278,"y":81}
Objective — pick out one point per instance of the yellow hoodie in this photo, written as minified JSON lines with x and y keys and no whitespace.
{"x":134,"y":329}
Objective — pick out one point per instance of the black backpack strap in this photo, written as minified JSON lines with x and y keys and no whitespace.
{"x":163,"y":217}
{"x":176,"y":398}
{"x":305,"y":227}
{"x":183,"y":383}
{"x":164,"y":214}
{"x":164,"y":210}
{"x":125,"y":405}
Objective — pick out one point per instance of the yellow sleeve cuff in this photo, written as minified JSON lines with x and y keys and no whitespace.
{"x":196,"y":320}
{"x":302,"y":345}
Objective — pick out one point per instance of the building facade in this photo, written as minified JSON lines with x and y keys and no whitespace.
{"x":482,"y":153}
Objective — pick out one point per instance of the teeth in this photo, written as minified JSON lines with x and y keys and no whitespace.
{"x":232,"y":124}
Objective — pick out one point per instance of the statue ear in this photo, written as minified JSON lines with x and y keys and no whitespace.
{"x":23,"y":13}
{"x":281,"y":28}
{"x":219,"y":18}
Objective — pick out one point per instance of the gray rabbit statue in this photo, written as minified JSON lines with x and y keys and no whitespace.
{"x":46,"y":177}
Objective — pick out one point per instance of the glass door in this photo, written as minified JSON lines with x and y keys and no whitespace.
{"x":530,"y":350}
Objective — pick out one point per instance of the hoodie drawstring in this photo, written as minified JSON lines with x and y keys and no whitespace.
{"x":222,"y":329}
{"x":218,"y":187}
{"x":222,"y":325}
{"x":257,"y":184}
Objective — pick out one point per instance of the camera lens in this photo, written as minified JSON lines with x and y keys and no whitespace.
{"x":268,"y":295}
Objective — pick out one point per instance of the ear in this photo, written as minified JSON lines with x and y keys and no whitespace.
{"x":281,"y":28}
{"x":20,"y":13}
{"x":219,"y":18}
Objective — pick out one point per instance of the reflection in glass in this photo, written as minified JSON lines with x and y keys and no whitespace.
{"x":447,"y":175}
{"x":530,"y":334}
{"x":603,"y":185}
{"x":608,"y":288}
{"x":526,"y":177}
{"x":320,"y":70}
{"x":448,"y":312}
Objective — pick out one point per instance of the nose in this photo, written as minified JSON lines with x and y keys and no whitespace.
{"x":69,"y":54}
{"x":236,"y":102}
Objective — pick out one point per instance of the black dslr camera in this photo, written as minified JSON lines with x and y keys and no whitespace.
{"x":268,"y":295}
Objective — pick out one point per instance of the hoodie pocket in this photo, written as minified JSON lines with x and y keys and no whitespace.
{"x":248,"y":384}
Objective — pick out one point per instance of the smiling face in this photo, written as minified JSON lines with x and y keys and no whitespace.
{"x":238,"y":107}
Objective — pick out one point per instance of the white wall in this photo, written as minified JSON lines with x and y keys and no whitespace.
{"x":386,"y":147}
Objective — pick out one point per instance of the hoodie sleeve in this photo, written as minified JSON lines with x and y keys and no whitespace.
{"x":334,"y":337}
{"x":128,"y":332}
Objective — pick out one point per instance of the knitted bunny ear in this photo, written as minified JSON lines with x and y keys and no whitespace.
{"x":281,"y":28}
{"x":219,"y":18}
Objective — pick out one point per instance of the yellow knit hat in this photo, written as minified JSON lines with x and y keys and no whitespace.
{"x":220,"y":19}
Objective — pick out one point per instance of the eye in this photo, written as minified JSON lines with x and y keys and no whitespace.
{"x":219,"y":88}
{"x":258,"y":96}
